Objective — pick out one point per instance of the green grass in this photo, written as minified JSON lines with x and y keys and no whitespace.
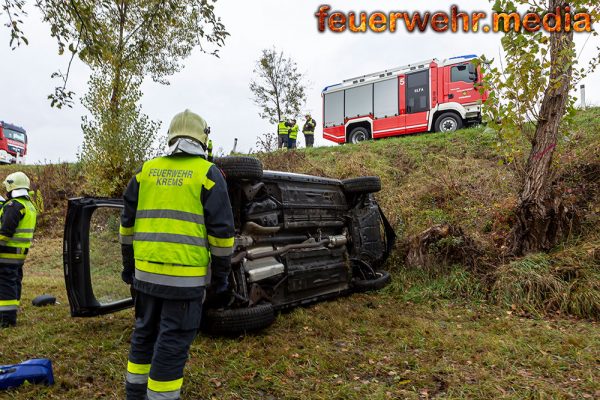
{"x":374,"y":346}
{"x":518,"y":331}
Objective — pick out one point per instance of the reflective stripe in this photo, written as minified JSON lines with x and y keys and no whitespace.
{"x":170,"y":269}
{"x":126,"y":231}
{"x":221,"y":251}
{"x":165,"y":386}
{"x":174,"y":395}
{"x":9,"y":305}
{"x":18,"y":254}
{"x":126,"y":239}
{"x":20,"y":239}
{"x":169,"y":238}
{"x":175,"y":281}
{"x":171,"y":214}
{"x":12,"y":261}
{"x":138,"y":368}
{"x":220,"y":242}
{"x":24,"y":231}
{"x":137,"y":379}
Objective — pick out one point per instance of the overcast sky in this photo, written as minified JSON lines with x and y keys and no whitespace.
{"x":217,"y":88}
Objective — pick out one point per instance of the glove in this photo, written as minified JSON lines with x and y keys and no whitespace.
{"x":127,"y":276}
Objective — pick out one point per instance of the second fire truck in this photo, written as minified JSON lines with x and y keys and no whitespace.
{"x":431,"y":95}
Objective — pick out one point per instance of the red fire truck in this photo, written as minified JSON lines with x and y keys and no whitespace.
{"x":13,"y":143}
{"x":431,"y":95}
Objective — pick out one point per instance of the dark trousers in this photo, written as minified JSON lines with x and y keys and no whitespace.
{"x":11,"y":276}
{"x":164,"y":331}
{"x":291,"y":143}
{"x":282,"y":141}
{"x":310,"y":140}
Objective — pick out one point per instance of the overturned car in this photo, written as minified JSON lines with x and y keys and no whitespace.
{"x":299,"y":239}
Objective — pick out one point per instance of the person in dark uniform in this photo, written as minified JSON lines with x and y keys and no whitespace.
{"x":177,"y":236}
{"x":17,"y":224}
{"x":309,"y":130}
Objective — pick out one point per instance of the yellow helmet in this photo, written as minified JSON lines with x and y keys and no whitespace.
{"x":16,"y":180}
{"x":188,"y":125}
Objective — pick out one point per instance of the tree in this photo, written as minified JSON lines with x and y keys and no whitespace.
{"x":278,"y":88}
{"x":115,"y":143}
{"x":122,"y":41}
{"x":530,"y":99}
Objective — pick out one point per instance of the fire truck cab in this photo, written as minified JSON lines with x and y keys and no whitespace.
{"x":13,"y":143}
{"x":430,"y":95}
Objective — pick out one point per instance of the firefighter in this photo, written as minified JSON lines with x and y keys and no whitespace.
{"x":176,"y":224}
{"x":309,"y":130}
{"x":282,"y":134}
{"x":292,"y":133}
{"x":17,"y":223}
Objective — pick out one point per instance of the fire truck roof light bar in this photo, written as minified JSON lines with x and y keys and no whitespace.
{"x":419,"y":64}
{"x":11,"y":126}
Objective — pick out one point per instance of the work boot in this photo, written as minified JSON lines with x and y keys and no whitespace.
{"x":8,"y":319}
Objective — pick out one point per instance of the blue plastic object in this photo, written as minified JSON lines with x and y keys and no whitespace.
{"x":33,"y":371}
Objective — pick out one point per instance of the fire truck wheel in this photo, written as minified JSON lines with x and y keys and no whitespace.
{"x":358,"y":135}
{"x":448,"y":122}
{"x":240,"y":167}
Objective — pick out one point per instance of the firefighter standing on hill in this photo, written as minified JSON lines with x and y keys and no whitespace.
{"x":292,"y":134}
{"x":282,"y":134}
{"x":176,"y":224}
{"x":17,"y":223}
{"x":309,"y":130}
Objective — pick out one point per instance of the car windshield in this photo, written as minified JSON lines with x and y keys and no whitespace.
{"x":14,"y":135}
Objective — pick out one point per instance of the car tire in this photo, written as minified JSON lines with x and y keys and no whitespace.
{"x":448,"y":123}
{"x":367,"y":285}
{"x":240,"y":167}
{"x":228,"y":322}
{"x":363,"y":184}
{"x":358,"y":135}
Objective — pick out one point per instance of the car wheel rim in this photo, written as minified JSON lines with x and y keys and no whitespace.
{"x":359,"y":137}
{"x":448,"y":125}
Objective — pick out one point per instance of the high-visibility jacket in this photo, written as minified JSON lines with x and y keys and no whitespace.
{"x":309,"y":127}
{"x":294,"y":132}
{"x":171,"y":245}
{"x":282,"y":129}
{"x":14,"y":249}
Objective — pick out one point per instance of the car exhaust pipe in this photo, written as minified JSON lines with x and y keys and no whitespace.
{"x":331,"y":241}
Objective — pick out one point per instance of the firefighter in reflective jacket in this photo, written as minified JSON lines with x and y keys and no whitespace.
{"x":177,"y":237}
{"x":309,"y":130}
{"x":292,"y":134}
{"x":17,"y":223}
{"x":282,"y":134}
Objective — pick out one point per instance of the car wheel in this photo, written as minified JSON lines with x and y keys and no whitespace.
{"x":358,"y":135}
{"x":363,"y":184}
{"x":448,"y":122}
{"x":381,"y":280}
{"x":236,"y":321}
{"x":240,"y":167}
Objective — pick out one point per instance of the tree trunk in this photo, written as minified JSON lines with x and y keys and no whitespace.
{"x":542,"y":219}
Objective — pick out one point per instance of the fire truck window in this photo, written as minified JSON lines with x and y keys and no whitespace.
{"x":359,"y":101}
{"x":334,"y":109}
{"x":417,"y":92}
{"x":14,"y":135}
{"x":385,"y":98}
{"x":460,"y":73}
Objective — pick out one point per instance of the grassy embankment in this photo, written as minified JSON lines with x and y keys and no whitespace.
{"x":439,"y":331}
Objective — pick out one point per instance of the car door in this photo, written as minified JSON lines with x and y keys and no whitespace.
{"x":92,"y":257}
{"x":417,"y":101}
